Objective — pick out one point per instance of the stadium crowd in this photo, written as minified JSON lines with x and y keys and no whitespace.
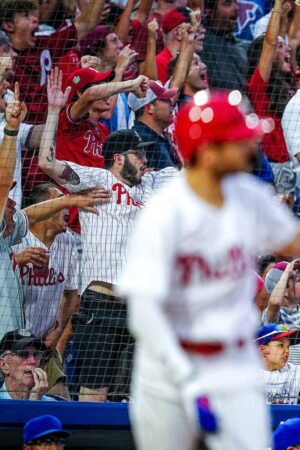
{"x":89,"y":91}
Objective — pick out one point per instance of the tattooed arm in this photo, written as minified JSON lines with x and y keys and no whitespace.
{"x":60,"y":171}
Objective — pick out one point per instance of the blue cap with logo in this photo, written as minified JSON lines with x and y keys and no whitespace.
{"x":287,"y":434}
{"x":43,"y":426}
{"x":273,"y":332}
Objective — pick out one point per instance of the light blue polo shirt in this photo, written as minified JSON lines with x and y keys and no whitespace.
{"x":11,"y":293}
{"x":5,"y":395}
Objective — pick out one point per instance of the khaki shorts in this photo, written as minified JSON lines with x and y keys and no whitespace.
{"x":54,"y":369}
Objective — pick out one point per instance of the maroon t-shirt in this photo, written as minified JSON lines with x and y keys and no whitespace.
{"x":32,"y":66}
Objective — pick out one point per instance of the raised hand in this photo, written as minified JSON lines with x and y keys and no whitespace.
{"x":40,"y":384}
{"x":6,"y":63}
{"x":141,"y":84}
{"x":87,"y":200}
{"x":125,"y":57}
{"x":153,"y":29}
{"x":15,"y":111}
{"x":52,"y":337}
{"x":37,"y":256}
{"x":56,"y":97}
{"x":90,"y":62}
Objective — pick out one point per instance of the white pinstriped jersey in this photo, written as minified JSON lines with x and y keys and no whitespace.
{"x":43,"y":294}
{"x":282,"y":386}
{"x":104,"y":237}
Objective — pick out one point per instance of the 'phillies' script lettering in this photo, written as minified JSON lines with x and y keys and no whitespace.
{"x":51,"y":279}
{"x":121,"y":191}
{"x":92,"y":144}
{"x":234,"y":266}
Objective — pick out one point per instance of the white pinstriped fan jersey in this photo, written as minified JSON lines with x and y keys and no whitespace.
{"x":104,"y":237}
{"x":43,"y":294}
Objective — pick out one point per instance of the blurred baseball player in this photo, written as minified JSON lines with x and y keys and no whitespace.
{"x":190,"y":287}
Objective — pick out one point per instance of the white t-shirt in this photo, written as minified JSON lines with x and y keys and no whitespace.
{"x":290,"y":125}
{"x":282,"y":386}
{"x":16,"y":193}
{"x":196,"y":260}
{"x":43,"y":294}
{"x":104,"y":237}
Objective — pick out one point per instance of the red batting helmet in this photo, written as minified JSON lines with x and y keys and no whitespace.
{"x":216,"y":117}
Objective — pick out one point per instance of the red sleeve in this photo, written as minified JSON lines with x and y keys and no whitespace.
{"x":68,"y":63}
{"x":257,"y":89}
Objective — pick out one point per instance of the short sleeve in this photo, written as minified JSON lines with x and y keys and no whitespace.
{"x":88,"y":177}
{"x":20,"y":229}
{"x":290,"y":126}
{"x":158,"y":179}
{"x":277,"y":225}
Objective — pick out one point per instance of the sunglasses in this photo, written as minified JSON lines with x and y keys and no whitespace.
{"x":24,"y":354}
{"x":47,"y":442}
{"x":140,"y":153}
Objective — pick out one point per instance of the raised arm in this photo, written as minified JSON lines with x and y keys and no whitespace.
{"x":97,"y":92}
{"x":89,"y":17}
{"x":149,"y":66}
{"x":15,"y":114}
{"x":277,"y":296}
{"x":270,"y":42}
{"x":84,"y":200}
{"x":56,"y":101}
{"x":294,"y":33}
{"x":184,"y":61}
{"x":123,"y":24}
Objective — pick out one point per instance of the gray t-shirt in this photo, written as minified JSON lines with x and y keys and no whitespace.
{"x":11,"y":294}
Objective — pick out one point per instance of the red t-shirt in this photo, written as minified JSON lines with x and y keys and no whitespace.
{"x":32,"y":66}
{"x":162,"y":62}
{"x":273,"y":143}
{"x":68,"y":63}
{"x":79,"y":142}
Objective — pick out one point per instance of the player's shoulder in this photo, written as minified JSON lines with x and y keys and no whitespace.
{"x":243,"y":184}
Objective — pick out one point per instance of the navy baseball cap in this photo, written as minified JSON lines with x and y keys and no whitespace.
{"x":287,"y":434}
{"x":273,"y":332}
{"x":43,"y":426}
{"x":18,"y":340}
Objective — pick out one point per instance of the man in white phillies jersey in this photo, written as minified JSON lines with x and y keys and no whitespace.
{"x":190,"y":287}
{"x":102,"y":328}
{"x":50,"y":294}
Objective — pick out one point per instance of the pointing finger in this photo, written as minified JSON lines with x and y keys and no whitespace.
{"x":17,"y":91}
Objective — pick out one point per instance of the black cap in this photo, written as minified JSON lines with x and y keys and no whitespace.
{"x":121,"y":142}
{"x":18,"y":340}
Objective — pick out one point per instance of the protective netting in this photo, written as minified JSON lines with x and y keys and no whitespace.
{"x":59,"y":270}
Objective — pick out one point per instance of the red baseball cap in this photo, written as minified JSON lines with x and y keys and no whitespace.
{"x":216,"y":117}
{"x":83,"y":77}
{"x":175,"y":17}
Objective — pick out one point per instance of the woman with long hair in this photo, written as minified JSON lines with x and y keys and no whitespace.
{"x":271,"y":83}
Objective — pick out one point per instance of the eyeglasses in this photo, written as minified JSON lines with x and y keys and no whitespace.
{"x":139,"y":153}
{"x":24,"y":354}
{"x":47,"y":442}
